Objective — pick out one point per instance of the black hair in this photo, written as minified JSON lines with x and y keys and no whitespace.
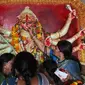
{"x":66,"y":48}
{"x":51,"y":67}
{"x":26,"y":65}
{"x":4,"y":58}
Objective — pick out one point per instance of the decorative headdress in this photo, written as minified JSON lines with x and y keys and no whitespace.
{"x":25,"y":12}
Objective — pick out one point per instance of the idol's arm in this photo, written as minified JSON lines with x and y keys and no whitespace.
{"x":64,"y":30}
{"x":81,"y":46}
{"x":76,"y":36}
{"x":5,"y":31}
{"x":6,"y":50}
{"x":6,"y":46}
{"x":75,"y":49}
{"x":40,"y":44}
{"x":55,"y":37}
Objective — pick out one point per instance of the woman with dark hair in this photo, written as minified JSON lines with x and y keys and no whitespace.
{"x":25,"y":67}
{"x":6,"y":77}
{"x":68,"y":61}
{"x":62,"y":55}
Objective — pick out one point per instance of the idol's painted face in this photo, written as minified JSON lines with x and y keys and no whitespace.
{"x":27,"y":18}
{"x":7,"y":67}
{"x":27,"y":21}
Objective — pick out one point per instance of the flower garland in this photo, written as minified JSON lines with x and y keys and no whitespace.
{"x":73,"y":82}
{"x":78,"y":82}
{"x":38,"y":33}
{"x":16,"y":37}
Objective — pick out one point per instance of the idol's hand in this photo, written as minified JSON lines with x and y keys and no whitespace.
{"x":72,"y":14}
{"x":82,"y":32}
{"x":26,"y":26}
{"x":31,"y":31}
{"x":81,"y":46}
